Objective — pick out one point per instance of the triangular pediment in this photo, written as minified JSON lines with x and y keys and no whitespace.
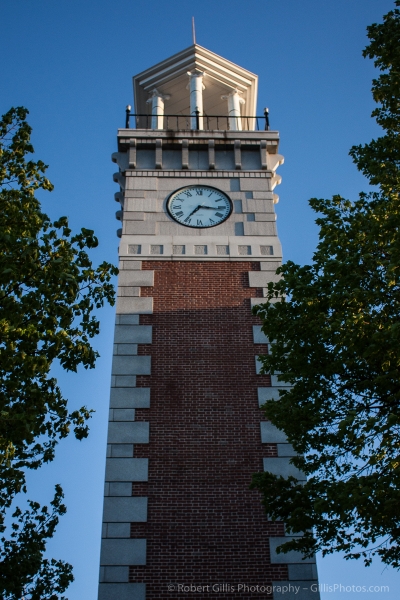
{"x":170,"y":77}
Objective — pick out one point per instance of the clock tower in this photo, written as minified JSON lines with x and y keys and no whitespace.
{"x":196,"y":176}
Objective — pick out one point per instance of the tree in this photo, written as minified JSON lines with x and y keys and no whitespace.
{"x":337,"y":342}
{"x":48,"y":293}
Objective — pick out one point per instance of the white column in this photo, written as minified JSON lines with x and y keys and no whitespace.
{"x":234,"y":102}
{"x":196,"y":87}
{"x":157,"y":108}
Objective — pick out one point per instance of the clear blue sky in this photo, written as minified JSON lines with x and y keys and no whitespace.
{"x":71,"y":64}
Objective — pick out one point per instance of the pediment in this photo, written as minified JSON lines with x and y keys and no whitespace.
{"x":170,"y":78}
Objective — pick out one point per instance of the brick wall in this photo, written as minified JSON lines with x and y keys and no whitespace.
{"x":204,"y":525}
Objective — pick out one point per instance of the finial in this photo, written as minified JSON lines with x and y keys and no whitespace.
{"x":266,"y":116}
{"x":193,"y":31}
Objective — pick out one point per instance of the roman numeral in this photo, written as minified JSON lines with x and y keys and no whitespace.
{"x":199,"y":192}
{"x":211,"y":221}
{"x":219,"y":215}
{"x":187,"y":193}
{"x":220,"y":207}
{"x":209,"y":195}
{"x":199,"y":222}
{"x":177,"y":207}
{"x":187,"y":220}
{"x":179,"y":214}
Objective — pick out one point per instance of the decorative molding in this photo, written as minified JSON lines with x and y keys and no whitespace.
{"x":185,"y":157}
{"x":238,"y":154}
{"x":132,"y":153}
{"x":264,"y":155}
{"x":158,"y":153}
{"x":156,"y":94}
{"x":211,"y":154}
{"x":198,"y":174}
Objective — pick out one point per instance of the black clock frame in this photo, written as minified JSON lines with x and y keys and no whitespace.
{"x":194,"y":186}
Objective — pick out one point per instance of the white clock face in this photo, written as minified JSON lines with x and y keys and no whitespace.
{"x":199,"y":206}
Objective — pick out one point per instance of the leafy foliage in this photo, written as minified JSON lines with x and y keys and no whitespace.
{"x":37,"y":578}
{"x":337,"y":341}
{"x":48,"y":292}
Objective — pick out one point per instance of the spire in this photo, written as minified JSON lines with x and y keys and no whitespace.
{"x":193,"y":31}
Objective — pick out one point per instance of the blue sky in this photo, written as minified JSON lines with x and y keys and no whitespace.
{"x":71,"y":64}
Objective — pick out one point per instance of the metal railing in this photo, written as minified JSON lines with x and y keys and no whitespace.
{"x":209,"y":122}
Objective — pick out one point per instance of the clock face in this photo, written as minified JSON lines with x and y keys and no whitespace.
{"x":199,"y":206}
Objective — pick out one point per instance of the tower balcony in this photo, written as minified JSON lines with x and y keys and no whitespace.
{"x":197,"y":122}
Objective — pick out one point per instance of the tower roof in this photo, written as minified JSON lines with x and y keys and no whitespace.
{"x":170,"y":77}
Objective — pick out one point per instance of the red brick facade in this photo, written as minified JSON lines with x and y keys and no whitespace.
{"x":204,"y":525}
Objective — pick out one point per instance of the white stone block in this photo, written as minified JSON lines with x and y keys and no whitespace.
{"x":260,"y":279}
{"x":226,"y":185}
{"x":123,"y":552}
{"x":258,"y":366}
{"x":172,"y":228}
{"x":123,"y":414}
{"x":269,"y":265}
{"x":128,"y":432}
{"x":170,"y":184}
{"x":119,"y":488}
{"x":286,"y":450}
{"x":122,"y":381}
{"x":259,"y":228}
{"x":283,"y":467}
{"x":114,"y":574}
{"x":136,"y":278}
{"x":117,"y":530}
{"x":139,"y":228}
{"x":259,"y":336}
{"x":258,"y":206}
{"x":130,"y":398}
{"x":253,"y":184}
{"x":157,"y":217}
{"x":141,"y":183}
{"x":276,"y":381}
{"x":265,"y":217}
{"x":127,"y":319}
{"x":140,"y":306}
{"x":133,"y":216}
{"x":127,"y":469}
{"x":131,"y":265}
{"x":289,"y":557}
{"x":125,"y":349}
{"x":256,"y":302}
{"x":125,"y":510}
{"x":119,"y":450}
{"x":122,"y":591}
{"x":263,"y":195}
{"x":271,"y":434}
{"x":303,"y":572}
{"x":143,"y":205}
{"x":128,"y":291}
{"x":267,"y":393}
{"x":131,"y":365}
{"x":133,"y":334}
{"x":137,"y":193}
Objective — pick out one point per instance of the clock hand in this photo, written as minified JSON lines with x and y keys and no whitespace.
{"x":202,"y":206}
{"x":195,"y":210}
